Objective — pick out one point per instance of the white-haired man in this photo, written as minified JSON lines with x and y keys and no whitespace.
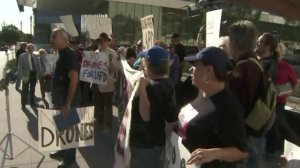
{"x":65,"y":90}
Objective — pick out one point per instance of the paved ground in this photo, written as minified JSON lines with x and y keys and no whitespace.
{"x":24,"y":125}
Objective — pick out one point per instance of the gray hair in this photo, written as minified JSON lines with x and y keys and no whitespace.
{"x":64,"y":34}
{"x":224,"y":40}
{"x":243,"y":35}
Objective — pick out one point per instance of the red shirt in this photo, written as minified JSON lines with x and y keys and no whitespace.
{"x":285,"y":74}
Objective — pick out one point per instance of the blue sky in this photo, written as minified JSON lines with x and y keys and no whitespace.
{"x":9,"y":12}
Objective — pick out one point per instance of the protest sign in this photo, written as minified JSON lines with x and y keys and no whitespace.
{"x":93,"y":25}
{"x":213,"y":22}
{"x":79,"y":135}
{"x":176,"y":153}
{"x":69,"y":25}
{"x":148,"y":31}
{"x":94,"y":67}
{"x":292,"y":154}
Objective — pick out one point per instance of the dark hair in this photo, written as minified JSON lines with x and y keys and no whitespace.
{"x":130,"y":52}
{"x":270,"y":39}
{"x":162,"y":69}
{"x":243,"y":35}
{"x":220,"y":73}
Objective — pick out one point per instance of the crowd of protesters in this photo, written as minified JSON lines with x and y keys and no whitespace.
{"x":208,"y":109}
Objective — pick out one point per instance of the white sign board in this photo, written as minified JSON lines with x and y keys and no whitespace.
{"x":94,"y":67}
{"x":79,"y":135}
{"x":292,"y":153}
{"x":69,"y":25}
{"x":213,"y":22}
{"x":176,"y":153}
{"x":148,"y":31}
{"x":93,"y":25}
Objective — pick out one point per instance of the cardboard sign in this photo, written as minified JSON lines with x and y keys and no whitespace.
{"x":176,"y":154}
{"x":94,"y":67}
{"x":79,"y":135}
{"x":69,"y":24}
{"x":93,"y":25}
{"x":213,"y":22}
{"x":148,"y":31}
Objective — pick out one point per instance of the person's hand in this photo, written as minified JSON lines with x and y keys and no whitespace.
{"x":201,"y":156}
{"x":65,"y":110}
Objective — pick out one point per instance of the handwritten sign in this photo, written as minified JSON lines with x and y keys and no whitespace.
{"x":93,"y":25}
{"x":148,"y":31}
{"x":176,"y":154}
{"x":213,"y":22}
{"x":79,"y":135}
{"x":94,"y":67}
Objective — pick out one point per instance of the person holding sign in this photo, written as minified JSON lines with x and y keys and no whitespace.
{"x":152,"y":108}
{"x":212,"y":126}
{"x":65,"y":91}
{"x":104,"y":94}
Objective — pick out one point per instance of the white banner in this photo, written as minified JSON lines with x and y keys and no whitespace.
{"x":93,"y":25}
{"x":213,"y":22}
{"x":79,"y":135}
{"x":176,"y":153}
{"x":148,"y":31}
{"x":69,"y":24}
{"x":94,"y":67}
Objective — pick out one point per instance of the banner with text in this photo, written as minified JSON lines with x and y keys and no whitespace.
{"x":94,"y":67}
{"x":148,"y":31}
{"x":213,"y":22}
{"x":176,"y":153}
{"x":79,"y":135}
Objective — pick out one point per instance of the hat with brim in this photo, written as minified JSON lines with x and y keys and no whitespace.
{"x":211,"y":55}
{"x":103,"y":36}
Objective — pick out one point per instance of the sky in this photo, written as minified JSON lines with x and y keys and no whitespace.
{"x":9,"y":13}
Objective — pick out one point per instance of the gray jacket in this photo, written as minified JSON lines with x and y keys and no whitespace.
{"x":24,"y":66}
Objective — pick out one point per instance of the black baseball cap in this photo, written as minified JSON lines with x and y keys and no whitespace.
{"x":211,"y":55}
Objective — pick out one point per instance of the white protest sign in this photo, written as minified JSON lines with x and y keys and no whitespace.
{"x":213,"y":22}
{"x":292,"y":153}
{"x":69,"y":25}
{"x":79,"y":135}
{"x":94,"y":67}
{"x":148,"y":31}
{"x":93,"y":25}
{"x":176,"y":153}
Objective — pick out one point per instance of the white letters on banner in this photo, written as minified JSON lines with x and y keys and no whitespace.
{"x":213,"y":22}
{"x":176,"y":154}
{"x":69,"y":24}
{"x":94,"y":67}
{"x":148,"y":31}
{"x":93,"y":25}
{"x":79,"y":135}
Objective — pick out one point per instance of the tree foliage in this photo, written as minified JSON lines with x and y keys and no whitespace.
{"x":10,"y":34}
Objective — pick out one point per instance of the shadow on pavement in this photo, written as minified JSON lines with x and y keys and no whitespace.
{"x":102,"y":154}
{"x":32,"y":123}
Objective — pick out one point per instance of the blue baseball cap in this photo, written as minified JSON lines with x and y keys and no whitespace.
{"x":156,"y":54}
{"x":211,"y":55}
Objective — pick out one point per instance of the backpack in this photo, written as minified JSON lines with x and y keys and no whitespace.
{"x":262,"y":116}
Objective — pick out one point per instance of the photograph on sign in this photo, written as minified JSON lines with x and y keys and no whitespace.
{"x":79,"y":135}
{"x":94,"y":67}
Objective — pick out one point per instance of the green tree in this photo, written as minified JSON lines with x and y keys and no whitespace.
{"x":26,"y":37}
{"x":10,"y":34}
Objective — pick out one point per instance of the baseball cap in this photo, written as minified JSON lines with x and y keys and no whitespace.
{"x":175,"y":35}
{"x":156,"y":54}
{"x":211,"y":55}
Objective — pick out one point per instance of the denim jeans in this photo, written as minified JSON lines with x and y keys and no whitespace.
{"x":146,"y":158}
{"x":256,"y":150}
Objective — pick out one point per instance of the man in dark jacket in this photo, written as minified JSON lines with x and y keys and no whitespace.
{"x":20,"y":51}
